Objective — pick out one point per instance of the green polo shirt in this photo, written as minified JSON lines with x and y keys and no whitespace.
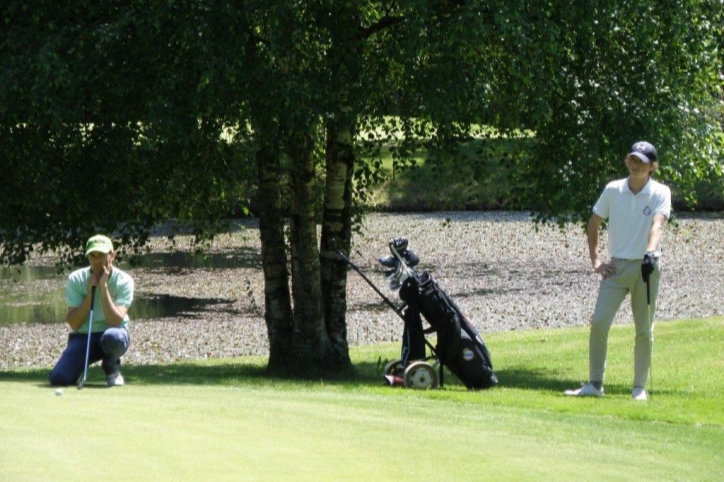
{"x":120,"y":286}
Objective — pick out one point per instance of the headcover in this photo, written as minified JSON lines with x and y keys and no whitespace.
{"x":400,"y":262}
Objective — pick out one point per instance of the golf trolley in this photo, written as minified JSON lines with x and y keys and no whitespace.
{"x":459,"y":347}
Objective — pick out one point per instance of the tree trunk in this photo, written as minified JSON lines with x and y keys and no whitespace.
{"x":278,"y":313}
{"x":277,"y":301}
{"x":309,"y":339}
{"x":336,"y":234}
{"x":311,"y":343}
{"x":345,"y":63}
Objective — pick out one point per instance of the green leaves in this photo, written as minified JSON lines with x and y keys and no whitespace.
{"x":126,"y":107}
{"x":101,"y":132}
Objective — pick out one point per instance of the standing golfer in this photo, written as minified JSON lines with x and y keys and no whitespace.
{"x":109,"y":338}
{"x":637,"y":209}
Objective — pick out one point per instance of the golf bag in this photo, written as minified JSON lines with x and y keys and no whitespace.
{"x":459,"y":346}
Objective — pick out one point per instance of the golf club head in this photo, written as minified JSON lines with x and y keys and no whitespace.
{"x":394,"y":283}
{"x":80,"y":385}
{"x":389,"y":261}
{"x":411,"y":258}
{"x":396,"y":275}
{"x":393,"y":264}
{"x":399,"y":264}
{"x":399,"y":244}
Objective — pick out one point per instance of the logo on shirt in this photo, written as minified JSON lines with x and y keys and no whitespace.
{"x":647,"y":211}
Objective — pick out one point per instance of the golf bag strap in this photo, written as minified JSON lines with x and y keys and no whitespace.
{"x":413,"y":343}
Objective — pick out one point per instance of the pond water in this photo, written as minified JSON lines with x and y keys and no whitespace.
{"x":36,"y":294}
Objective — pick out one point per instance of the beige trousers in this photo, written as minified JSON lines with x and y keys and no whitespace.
{"x":612,"y":292}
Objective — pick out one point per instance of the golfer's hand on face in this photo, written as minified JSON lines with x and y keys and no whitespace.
{"x":606,"y":270}
{"x":103,"y":276}
{"x":99,"y":279}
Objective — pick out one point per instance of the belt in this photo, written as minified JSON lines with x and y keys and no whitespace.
{"x":633,"y":260}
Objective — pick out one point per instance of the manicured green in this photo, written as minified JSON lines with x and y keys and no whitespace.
{"x":225,"y":420}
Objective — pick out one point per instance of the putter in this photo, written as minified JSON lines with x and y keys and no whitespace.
{"x":651,"y":339}
{"x":90,"y":330}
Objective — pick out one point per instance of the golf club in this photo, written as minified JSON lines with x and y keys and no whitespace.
{"x":90,"y":330}
{"x":402,"y":272}
{"x":389,"y":303}
{"x":651,"y":338}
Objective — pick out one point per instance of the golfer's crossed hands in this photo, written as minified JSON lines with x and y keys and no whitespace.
{"x":99,"y":279}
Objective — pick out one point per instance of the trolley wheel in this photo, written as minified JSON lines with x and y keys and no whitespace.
{"x":395,"y":368}
{"x":421,"y":375}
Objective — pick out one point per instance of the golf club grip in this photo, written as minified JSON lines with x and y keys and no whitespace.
{"x":648,"y":292}
{"x":93,"y":297}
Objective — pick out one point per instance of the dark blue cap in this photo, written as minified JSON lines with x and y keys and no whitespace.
{"x":644,"y":151}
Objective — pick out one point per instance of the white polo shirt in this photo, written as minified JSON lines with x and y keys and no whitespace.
{"x":630,"y":216}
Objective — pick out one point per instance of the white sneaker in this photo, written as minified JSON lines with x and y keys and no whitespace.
{"x":639,"y":394}
{"x":587,"y":390}
{"x":115,"y":379}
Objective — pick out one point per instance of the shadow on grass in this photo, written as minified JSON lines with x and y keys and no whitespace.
{"x":540,"y":380}
{"x":232,"y":373}
{"x":193,"y":373}
{"x":534,"y":379}
{"x":364,"y":373}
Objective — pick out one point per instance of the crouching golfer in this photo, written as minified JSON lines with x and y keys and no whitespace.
{"x":109,"y":337}
{"x":637,"y":209}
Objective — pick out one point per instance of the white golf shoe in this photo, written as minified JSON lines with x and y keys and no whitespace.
{"x":587,"y":390}
{"x":639,"y":394}
{"x":115,"y":379}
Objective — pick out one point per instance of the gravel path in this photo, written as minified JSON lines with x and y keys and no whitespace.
{"x":497,"y":267}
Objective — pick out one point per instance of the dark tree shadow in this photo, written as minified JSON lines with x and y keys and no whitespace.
{"x":363,"y":374}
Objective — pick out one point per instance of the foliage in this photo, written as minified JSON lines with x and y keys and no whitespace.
{"x":128,"y":107}
{"x":109,"y":122}
{"x":586,"y":81}
{"x":117,"y":116}
{"x":617,"y":73}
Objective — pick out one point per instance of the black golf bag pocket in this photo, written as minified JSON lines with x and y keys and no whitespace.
{"x":413,"y":337}
{"x":459,"y":345}
{"x":473,"y":364}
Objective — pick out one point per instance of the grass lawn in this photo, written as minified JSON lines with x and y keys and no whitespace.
{"x":225,"y":420}
{"x":474,"y":178}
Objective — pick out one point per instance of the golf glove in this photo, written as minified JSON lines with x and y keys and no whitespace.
{"x":647,"y":266}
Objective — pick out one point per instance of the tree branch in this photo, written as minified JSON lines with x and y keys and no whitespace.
{"x":384,"y":23}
